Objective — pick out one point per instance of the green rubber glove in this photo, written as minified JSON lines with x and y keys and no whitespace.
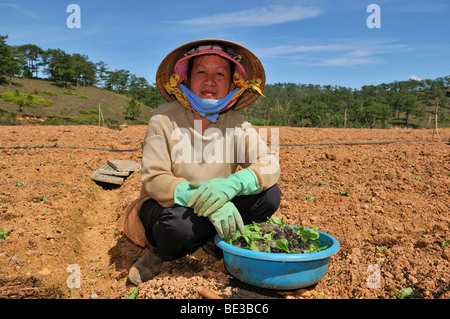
{"x":183,"y":193}
{"x":214,"y":193}
{"x":226,"y":219}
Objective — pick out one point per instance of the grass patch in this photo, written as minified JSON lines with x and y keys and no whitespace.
{"x":81,"y":96}
{"x":25,"y":99}
{"x":88,"y":112}
{"x":7,"y":114}
{"x":69,"y":92}
{"x":7,"y":117}
{"x":75,"y":120}
{"x":77,"y":98}
{"x":48,"y":92}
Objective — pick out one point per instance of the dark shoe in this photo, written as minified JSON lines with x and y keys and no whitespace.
{"x":147,"y":267}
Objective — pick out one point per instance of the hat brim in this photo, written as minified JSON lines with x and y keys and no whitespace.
{"x":251,"y":64}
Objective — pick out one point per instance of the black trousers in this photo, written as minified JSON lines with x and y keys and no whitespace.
{"x":176,"y":231}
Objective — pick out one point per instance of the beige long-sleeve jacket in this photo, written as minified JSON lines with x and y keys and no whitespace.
{"x":174,"y":152}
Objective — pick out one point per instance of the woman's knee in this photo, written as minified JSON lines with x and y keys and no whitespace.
{"x":171,"y":227}
{"x":259,"y":207}
{"x":177,"y":230}
{"x":273,"y":198}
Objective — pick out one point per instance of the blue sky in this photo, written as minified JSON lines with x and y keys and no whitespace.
{"x":298,"y":41}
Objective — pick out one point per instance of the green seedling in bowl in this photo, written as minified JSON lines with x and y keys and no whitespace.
{"x":257,"y":238}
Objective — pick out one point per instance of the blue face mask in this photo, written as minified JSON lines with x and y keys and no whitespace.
{"x":203,"y":106}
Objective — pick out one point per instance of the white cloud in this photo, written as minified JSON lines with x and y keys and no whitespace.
{"x":20,"y":9}
{"x":295,"y":49}
{"x":257,"y":17}
{"x":414,"y":78}
{"x":340,"y":52}
{"x":348,"y":61}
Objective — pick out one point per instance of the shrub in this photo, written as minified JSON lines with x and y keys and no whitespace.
{"x":48,"y":92}
{"x":69,"y":92}
{"x":7,"y":117}
{"x":25,"y":99}
{"x":7,"y":114}
{"x":133,"y":110}
{"x":70,"y":120}
{"x":87,"y":112}
{"x":75,"y":120}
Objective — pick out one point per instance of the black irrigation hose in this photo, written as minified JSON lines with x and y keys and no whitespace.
{"x":138,"y":149}
{"x":355,"y":143}
{"x":68,"y":147}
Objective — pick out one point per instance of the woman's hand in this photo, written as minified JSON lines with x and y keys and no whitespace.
{"x":209,"y":196}
{"x":226,"y":219}
{"x":214,"y":193}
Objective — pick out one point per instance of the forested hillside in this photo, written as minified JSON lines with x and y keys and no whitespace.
{"x":401,"y":103}
{"x":404,"y":103}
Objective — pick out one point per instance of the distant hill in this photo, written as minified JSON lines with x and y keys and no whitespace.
{"x":404,"y":103}
{"x":72,"y":104}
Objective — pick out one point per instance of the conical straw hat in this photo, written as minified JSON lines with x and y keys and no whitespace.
{"x":252,"y":66}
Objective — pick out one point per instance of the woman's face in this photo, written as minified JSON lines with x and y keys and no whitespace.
{"x":210,"y":77}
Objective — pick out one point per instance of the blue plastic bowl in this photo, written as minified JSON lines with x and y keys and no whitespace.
{"x":278,"y":271}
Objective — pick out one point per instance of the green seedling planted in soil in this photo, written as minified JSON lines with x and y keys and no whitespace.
{"x":402,"y":294}
{"x":133,"y":294}
{"x":3,"y":233}
{"x":445,"y":243}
